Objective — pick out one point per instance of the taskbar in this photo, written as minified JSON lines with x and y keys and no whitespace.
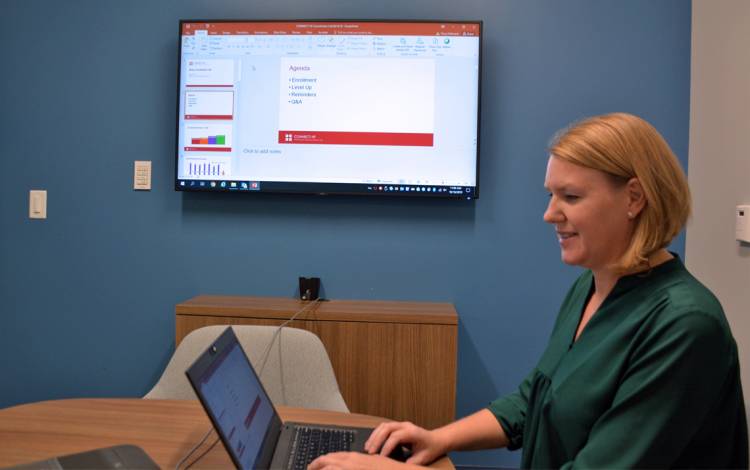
{"x":389,"y":189}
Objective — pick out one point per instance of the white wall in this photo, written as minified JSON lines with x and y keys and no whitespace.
{"x":719,"y":159}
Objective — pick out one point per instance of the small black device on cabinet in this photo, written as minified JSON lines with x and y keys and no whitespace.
{"x":309,"y":288}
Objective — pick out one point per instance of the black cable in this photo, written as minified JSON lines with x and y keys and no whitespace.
{"x":187,"y":456}
{"x":204,"y":453}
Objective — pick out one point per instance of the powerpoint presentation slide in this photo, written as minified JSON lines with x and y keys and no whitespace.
{"x":209,"y":73}
{"x":207,"y":137}
{"x":357,"y":101}
{"x":209,"y":105}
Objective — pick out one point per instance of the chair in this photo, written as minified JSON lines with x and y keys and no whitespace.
{"x":295,"y":371}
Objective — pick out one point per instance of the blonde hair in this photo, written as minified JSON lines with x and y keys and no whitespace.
{"x":625,"y":146}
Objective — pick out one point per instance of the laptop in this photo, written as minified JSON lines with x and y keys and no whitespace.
{"x":117,"y":457}
{"x":246,"y":420}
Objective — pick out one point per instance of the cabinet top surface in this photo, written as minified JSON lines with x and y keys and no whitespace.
{"x":382,"y":311}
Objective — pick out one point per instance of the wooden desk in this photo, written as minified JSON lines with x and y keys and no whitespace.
{"x":165,"y":429}
{"x":391,"y":359}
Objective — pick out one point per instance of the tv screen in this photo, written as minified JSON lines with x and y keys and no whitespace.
{"x":329,"y":107}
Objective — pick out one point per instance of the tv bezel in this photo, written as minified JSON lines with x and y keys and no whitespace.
{"x":330,"y":189}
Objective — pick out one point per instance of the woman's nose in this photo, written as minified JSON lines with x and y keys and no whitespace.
{"x":552,"y":215}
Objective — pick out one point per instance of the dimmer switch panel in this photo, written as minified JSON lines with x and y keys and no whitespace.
{"x":37,"y":204}
{"x":142,"y":176}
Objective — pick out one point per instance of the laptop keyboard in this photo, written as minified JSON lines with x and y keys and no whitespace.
{"x":312,"y":442}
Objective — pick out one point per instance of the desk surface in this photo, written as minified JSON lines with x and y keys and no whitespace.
{"x":165,"y":429}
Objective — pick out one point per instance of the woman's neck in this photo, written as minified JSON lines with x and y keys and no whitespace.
{"x":605,"y":279}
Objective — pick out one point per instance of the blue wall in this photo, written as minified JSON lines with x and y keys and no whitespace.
{"x":88,"y":86}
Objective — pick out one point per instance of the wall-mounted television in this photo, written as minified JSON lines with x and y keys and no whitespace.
{"x":387,"y":108}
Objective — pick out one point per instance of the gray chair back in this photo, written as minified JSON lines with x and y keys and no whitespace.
{"x":293,"y":366}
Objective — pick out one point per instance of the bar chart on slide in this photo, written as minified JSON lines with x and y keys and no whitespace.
{"x":205,"y":168}
{"x":208,"y":138}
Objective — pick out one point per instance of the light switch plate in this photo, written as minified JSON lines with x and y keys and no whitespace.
{"x":142,"y":175}
{"x":742,"y":226}
{"x":38,"y":204}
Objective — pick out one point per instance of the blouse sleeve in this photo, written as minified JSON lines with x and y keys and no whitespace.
{"x":510,"y":412}
{"x":675,"y":378}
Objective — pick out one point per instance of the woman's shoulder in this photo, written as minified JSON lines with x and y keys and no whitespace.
{"x":687,"y":294}
{"x":683,"y":295}
{"x":684,"y":306}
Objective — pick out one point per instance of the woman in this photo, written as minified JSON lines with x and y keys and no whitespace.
{"x":641,"y":369}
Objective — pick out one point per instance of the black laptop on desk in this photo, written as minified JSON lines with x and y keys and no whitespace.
{"x":246,"y":420}
{"x":118,"y":457}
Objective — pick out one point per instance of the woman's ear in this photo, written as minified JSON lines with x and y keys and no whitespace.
{"x":636,"y":197}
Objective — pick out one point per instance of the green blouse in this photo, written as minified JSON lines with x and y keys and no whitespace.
{"x":653,"y":381}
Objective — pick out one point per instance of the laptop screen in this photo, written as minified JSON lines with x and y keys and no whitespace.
{"x":242,"y":412}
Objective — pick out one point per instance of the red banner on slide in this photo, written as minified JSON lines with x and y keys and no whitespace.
{"x":356,"y":138}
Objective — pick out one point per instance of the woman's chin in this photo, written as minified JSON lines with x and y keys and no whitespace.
{"x":570,"y":258}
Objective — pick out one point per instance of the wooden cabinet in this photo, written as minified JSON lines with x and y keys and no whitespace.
{"x":392,"y":359}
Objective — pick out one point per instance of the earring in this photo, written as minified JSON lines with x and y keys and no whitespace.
{"x":630,"y":215}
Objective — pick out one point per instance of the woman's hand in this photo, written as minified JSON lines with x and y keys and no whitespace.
{"x":426,"y":446}
{"x":354,"y":461}
{"x":480,"y":430}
